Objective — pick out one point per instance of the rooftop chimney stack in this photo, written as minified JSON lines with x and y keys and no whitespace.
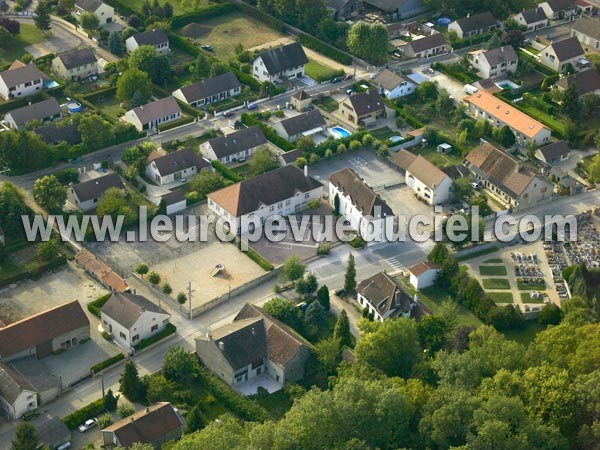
{"x":222,"y":346}
{"x":306,"y":170}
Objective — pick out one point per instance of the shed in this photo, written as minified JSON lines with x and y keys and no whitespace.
{"x":444,"y":148}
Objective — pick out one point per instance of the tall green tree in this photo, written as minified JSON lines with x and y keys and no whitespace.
{"x":132,"y":81}
{"x":146,"y":59}
{"x":178,"y":364}
{"x":26,"y":438}
{"x":323,"y":297}
{"x":194,"y":420}
{"x":115,"y":43}
{"x":49,"y":193}
{"x":262,"y":161}
{"x":285,"y":311}
{"x":41,"y":16}
{"x":130,"y":384}
{"x":368,"y":41}
{"x":293,"y":268}
{"x":350,"y":277}
{"x":570,"y":102}
{"x":341,"y":331}
{"x":89,"y":21}
{"x":96,"y":132}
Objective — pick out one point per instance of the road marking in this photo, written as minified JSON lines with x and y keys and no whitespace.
{"x":395,"y":263}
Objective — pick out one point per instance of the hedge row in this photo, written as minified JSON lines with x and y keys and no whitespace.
{"x":202,"y":14}
{"x":169,"y":330}
{"x":109,"y":91}
{"x":478,"y":39}
{"x":258,"y":259}
{"x":107,"y":363}
{"x":226,"y":171}
{"x":236,"y":403}
{"x":325,"y":49}
{"x":269,"y":132}
{"x":176,"y":123}
{"x":538,"y":65}
{"x":73,"y":420}
{"x":411,"y":120}
{"x":458,"y":75}
{"x":122,"y":7}
{"x":20,"y":102}
{"x":95,"y":306}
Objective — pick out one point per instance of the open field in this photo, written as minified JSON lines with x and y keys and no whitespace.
{"x":14,"y":47}
{"x":225,"y":32}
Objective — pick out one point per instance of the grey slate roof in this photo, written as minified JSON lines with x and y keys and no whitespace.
{"x":385,"y":295}
{"x":585,"y":82}
{"x":53,"y":432}
{"x":555,"y":151}
{"x":427,"y":42}
{"x":476,"y":21}
{"x":291,"y":156}
{"x":500,"y":55}
{"x":560,"y":5}
{"x":362,"y":196}
{"x":386,"y":5}
{"x":210,"y":86}
{"x":567,"y":48}
{"x":388,"y":79}
{"x":77,"y":58}
{"x":303,"y":122}
{"x":35,"y":111}
{"x":52,"y":134}
{"x":157,"y":110}
{"x":243,"y":342}
{"x":152,"y":37}
{"x":366,"y":102}
{"x":20,"y":75}
{"x":89,"y":5}
{"x":533,"y":15}
{"x":126,"y":308}
{"x":178,"y":161}
{"x":91,"y":189}
{"x":238,"y":141}
{"x":284,"y":58}
{"x":590,"y":26}
{"x":266,"y":189}
{"x":173,"y":197}
{"x":12,"y":383}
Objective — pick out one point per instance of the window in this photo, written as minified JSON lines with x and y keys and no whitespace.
{"x":307,"y":195}
{"x":154,"y":328}
{"x":135,"y":338}
{"x":166,"y":321}
{"x":122,"y":335}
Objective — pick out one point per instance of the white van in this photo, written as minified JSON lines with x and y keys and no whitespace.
{"x":470,"y":89}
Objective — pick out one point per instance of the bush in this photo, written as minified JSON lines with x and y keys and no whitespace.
{"x":411,"y":120}
{"x":225,"y":171}
{"x":250,"y":120}
{"x":258,"y":259}
{"x":125,"y":409}
{"x":169,"y":330}
{"x":95,"y":306}
{"x":357,"y":242}
{"x":94,"y":409}
{"x":454,"y":71}
{"x":323,"y":249}
{"x":107,"y":363}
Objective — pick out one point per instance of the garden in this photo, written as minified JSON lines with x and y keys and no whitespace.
{"x":13,"y":47}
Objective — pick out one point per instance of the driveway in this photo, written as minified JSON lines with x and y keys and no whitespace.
{"x":59,"y":41}
{"x":337,"y":304}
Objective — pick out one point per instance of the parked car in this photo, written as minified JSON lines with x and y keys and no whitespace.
{"x":349,"y":91}
{"x":252,"y":106}
{"x":207,"y":47}
{"x":348,"y":76}
{"x":87,"y":425}
{"x":475,"y":185}
{"x":64,"y":446}
{"x":337,"y":79}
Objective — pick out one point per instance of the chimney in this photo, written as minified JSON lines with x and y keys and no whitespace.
{"x":306,"y":170}
{"x":518,"y":167}
{"x":147,"y":410}
{"x":222,"y":346}
{"x":416,"y":298}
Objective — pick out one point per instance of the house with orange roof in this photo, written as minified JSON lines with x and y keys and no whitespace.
{"x":483,"y":105}
{"x":282,"y":192}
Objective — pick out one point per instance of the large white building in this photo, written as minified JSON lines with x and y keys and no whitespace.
{"x":279,"y":64}
{"x":359,"y":204}
{"x":494,"y":63}
{"x":20,"y":81}
{"x":384,"y":298}
{"x":131,"y":318}
{"x":284,"y":191}
{"x":428,"y":182}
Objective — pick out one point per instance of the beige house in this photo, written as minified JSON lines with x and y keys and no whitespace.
{"x":254,"y":350}
{"x":506,"y":179}
{"x":362,"y":108}
{"x":301,"y":100}
{"x":101,"y":10}
{"x":76,"y":65}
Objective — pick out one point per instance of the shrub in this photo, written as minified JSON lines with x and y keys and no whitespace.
{"x":258,"y":259}
{"x":225,"y":171}
{"x":108,"y":362}
{"x":181,"y":298}
{"x":105,"y":420}
{"x":314,"y":203}
{"x":125,"y":409}
{"x":73,"y":420}
{"x":270,"y":134}
{"x":166,"y":288}
{"x":324,"y":248}
{"x":357,"y":242}
{"x":95,"y":306}
{"x":169,"y":330}
{"x":106,"y":335}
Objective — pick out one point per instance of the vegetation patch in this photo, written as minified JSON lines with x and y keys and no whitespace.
{"x":501,"y":297}
{"x":531,"y":286}
{"x":96,"y":305}
{"x":321,"y":73}
{"x":107,"y":363}
{"x":526,"y":297}
{"x":477,"y":253}
{"x":492,"y":270}
{"x":168,"y":331}
{"x":495,"y":283}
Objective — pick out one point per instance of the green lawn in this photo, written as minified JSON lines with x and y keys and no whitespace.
{"x":328,"y":104}
{"x":526,"y":334}
{"x":178,"y":5}
{"x":320,"y":72}
{"x":501,"y":297}
{"x":384,"y":133}
{"x":493,"y":261}
{"x":14,"y":47}
{"x":527,"y":298}
{"x":242,"y":170}
{"x":472,"y":255}
{"x":225,"y":32}
{"x":495,"y":283}
{"x":492,"y":270}
{"x":436,"y":158}
{"x":531,"y":286}
{"x":8,"y":268}
{"x":109,"y":105}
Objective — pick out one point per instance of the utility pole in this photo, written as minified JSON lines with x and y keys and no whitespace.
{"x":102,"y":379}
{"x":189,"y":289}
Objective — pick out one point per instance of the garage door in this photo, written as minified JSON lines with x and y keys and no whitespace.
{"x":44,"y":349}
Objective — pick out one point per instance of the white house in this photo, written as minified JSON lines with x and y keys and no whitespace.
{"x":475,"y":24}
{"x":211,"y":90}
{"x":423,"y":275}
{"x":558,"y":9}
{"x":428,"y":182}
{"x":587,"y":30}
{"x":384,"y":298}
{"x":17,"y":395}
{"x":102,"y":11}
{"x":533,"y":19}
{"x":86,"y":195}
{"x":425,"y":46}
{"x":174,"y":167}
{"x":586,"y":82}
{"x":305,"y":124}
{"x":20,"y":81}
{"x":44,"y":111}
{"x":486,"y":106}
{"x":156,"y":38}
{"x":553,"y":153}
{"x":174,"y":201}
{"x":279,"y":64}
{"x":493,"y":63}
{"x":284,"y":191}
{"x":558,"y":56}
{"x":152,"y":115}
{"x":131,"y":318}
{"x":393,"y":86}
{"x":352,"y":198}
{"x":235,"y":146}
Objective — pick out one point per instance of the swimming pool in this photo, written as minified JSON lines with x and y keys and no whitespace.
{"x":339,"y":132}
{"x":507,"y":84}
{"x":49,"y":84}
{"x":395,"y":138}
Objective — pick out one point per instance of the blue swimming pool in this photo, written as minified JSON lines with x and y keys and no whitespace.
{"x":395,"y":138}
{"x":49,"y":84}
{"x":339,"y":132}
